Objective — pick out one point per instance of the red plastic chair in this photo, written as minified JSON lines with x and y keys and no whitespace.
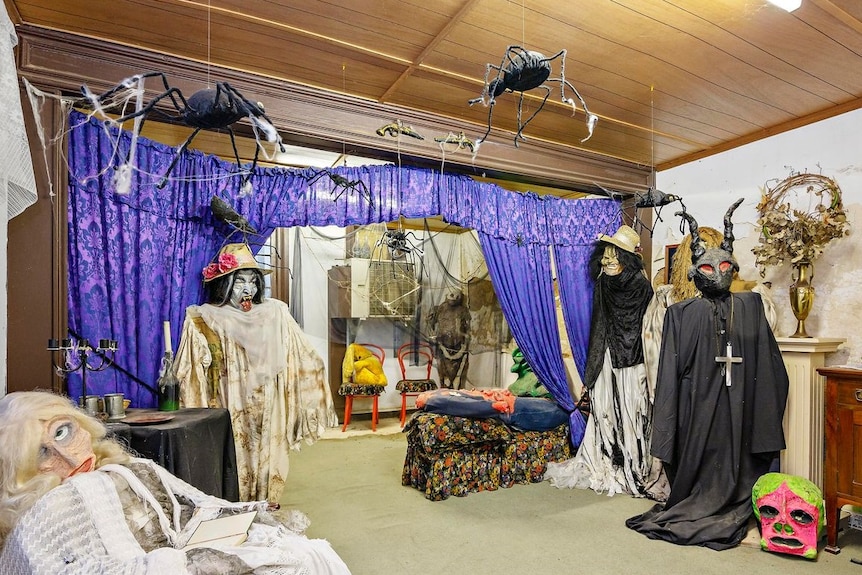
{"x":350,"y":390}
{"x":421,"y":353}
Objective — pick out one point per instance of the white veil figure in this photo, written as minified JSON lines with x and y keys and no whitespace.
{"x":247,"y":354}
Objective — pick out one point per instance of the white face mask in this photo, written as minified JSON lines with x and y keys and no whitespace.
{"x":610,"y":264}
{"x":244,"y":289}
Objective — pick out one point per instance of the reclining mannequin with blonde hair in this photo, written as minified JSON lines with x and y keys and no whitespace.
{"x":73,"y":501}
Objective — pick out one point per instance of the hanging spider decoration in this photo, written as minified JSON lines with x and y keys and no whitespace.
{"x":397,"y":127}
{"x":339,"y":184}
{"x":528,"y":70}
{"x":655,"y":199}
{"x":208,"y":109}
{"x":400,"y":244}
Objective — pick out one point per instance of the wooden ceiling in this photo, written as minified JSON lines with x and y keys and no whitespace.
{"x":672,"y":81}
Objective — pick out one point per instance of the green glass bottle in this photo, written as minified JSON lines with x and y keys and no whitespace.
{"x":168,"y":385}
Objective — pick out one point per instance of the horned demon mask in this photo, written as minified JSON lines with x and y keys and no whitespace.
{"x":712,"y":269}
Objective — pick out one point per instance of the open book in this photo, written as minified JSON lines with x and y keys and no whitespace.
{"x":229,"y":530}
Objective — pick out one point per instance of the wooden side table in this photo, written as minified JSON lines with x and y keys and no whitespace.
{"x":842,"y":473}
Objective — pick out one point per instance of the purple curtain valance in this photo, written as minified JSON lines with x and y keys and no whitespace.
{"x":135,"y":259}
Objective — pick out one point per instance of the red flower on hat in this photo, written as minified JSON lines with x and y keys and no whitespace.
{"x":225,"y":263}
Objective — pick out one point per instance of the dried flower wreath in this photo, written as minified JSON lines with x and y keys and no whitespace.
{"x":794,"y":234}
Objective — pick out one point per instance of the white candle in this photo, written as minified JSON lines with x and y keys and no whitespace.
{"x":168,"y":346}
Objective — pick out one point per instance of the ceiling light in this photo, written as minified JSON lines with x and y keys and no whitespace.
{"x":789,"y":5}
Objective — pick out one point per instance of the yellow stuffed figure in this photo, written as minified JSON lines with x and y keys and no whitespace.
{"x":363,"y":365}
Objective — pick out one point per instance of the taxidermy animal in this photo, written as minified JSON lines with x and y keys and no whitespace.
{"x":528,"y":70}
{"x":207,"y":109}
{"x":396,"y":127}
{"x":363,"y":366}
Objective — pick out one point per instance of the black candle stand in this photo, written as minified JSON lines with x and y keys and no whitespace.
{"x":82,"y":349}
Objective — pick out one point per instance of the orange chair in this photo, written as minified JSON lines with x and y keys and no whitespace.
{"x":423,"y":353}
{"x":351,"y":389}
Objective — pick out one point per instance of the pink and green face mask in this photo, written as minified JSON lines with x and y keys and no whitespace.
{"x":791,"y":514}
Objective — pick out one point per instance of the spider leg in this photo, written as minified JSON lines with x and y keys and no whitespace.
{"x":256,"y":113}
{"x":367,"y":193}
{"x":490,"y":113}
{"x":151,"y":106}
{"x":311,"y":180}
{"x":539,"y":109}
{"x":164,"y":179}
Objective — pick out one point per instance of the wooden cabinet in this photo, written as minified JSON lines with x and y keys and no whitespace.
{"x":842,"y":472}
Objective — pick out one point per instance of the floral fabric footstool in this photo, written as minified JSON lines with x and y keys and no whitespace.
{"x":452,"y":455}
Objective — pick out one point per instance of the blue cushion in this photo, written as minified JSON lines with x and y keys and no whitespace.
{"x":535,"y":414}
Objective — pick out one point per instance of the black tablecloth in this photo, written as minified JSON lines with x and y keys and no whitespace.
{"x":196,"y":445}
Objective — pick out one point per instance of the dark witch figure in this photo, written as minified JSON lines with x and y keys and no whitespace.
{"x":614,"y":454}
{"x":450,"y":322}
{"x":720,"y":399}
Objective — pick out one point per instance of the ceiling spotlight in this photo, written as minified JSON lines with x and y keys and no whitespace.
{"x":789,"y":5}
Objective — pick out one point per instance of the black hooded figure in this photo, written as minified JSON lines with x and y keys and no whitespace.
{"x":719,"y":404}
{"x":613,"y":456}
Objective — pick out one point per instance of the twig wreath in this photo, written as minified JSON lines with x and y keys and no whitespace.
{"x":794,"y":234}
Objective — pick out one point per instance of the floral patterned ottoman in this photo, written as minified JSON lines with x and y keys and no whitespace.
{"x":451,"y":455}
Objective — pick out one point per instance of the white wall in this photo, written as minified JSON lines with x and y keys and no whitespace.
{"x":708,"y":187}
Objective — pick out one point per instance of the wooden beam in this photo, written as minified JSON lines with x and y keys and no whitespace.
{"x":318,"y":118}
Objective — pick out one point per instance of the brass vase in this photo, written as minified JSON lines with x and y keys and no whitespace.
{"x":802,"y":295}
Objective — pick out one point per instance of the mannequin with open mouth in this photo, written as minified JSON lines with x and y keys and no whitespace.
{"x":245,"y":352}
{"x":243,"y":291}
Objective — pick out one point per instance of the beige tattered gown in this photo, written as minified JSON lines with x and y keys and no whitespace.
{"x":260,"y":366}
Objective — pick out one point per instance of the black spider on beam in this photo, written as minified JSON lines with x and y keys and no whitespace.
{"x":339,"y":184}
{"x":527,"y":70}
{"x":215,"y":108}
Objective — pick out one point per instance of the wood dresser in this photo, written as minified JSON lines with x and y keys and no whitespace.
{"x":842,"y":472}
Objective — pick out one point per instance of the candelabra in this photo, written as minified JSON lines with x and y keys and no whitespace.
{"x":82,"y":349}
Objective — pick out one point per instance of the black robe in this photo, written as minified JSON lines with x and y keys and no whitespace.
{"x":715,"y":441}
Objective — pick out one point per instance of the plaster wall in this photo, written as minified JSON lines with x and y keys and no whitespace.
{"x":709,"y":186}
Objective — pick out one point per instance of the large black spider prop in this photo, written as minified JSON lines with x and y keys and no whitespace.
{"x":400,"y":244}
{"x":528,"y":70}
{"x":340,"y":184}
{"x":208,"y":109}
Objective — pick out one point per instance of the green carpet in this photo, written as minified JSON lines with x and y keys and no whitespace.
{"x":351,"y":490}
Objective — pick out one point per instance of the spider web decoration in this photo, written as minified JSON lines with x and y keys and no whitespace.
{"x":393,"y":289}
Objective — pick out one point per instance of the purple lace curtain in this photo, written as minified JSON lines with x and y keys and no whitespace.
{"x":135,"y":259}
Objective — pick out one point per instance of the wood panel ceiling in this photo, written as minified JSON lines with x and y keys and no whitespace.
{"x":672,"y":81}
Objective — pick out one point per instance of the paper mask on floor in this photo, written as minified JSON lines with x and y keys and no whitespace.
{"x":791,"y":514}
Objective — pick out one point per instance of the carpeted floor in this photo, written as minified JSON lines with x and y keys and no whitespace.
{"x":350,"y":487}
